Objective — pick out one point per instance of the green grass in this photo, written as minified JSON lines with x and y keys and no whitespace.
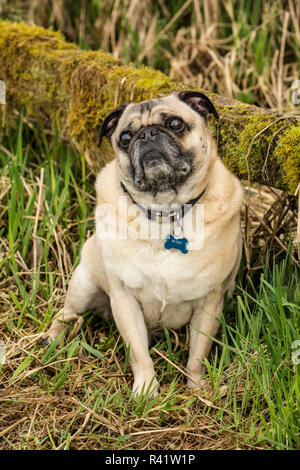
{"x":77,"y":395}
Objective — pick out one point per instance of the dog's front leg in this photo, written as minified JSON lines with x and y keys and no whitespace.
{"x":129,"y":318}
{"x":205,"y":319}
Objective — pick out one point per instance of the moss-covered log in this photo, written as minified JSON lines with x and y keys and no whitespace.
{"x":74,"y":90}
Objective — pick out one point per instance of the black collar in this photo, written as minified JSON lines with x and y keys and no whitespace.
{"x":173,"y":214}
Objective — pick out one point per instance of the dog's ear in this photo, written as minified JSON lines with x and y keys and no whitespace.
{"x":110,"y":123}
{"x":198,"y":102}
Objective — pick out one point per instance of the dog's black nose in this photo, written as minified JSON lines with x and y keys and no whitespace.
{"x":149,"y":135}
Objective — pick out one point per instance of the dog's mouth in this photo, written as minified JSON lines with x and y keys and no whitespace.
{"x":155,"y":165}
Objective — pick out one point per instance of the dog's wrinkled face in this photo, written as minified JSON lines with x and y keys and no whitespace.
{"x":159,"y":142}
{"x":158,"y":159}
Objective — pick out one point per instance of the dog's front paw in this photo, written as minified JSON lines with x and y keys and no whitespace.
{"x":60,"y":327}
{"x":147,"y":386}
{"x":46,"y":339}
{"x":195,"y":381}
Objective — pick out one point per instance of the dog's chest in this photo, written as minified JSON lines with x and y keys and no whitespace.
{"x":167,"y":276}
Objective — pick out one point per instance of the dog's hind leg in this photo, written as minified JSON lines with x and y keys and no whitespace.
{"x":83,"y":293}
{"x":62,"y":323}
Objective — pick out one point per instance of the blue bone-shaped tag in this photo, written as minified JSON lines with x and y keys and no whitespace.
{"x":176,"y":243}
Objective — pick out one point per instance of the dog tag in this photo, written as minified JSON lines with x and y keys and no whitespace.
{"x":174,"y":240}
{"x":176,"y":243}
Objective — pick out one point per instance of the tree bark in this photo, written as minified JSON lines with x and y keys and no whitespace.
{"x":73,"y":90}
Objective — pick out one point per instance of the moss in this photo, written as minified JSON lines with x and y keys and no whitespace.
{"x":251,"y":145}
{"x":287,"y":154}
{"x":74,"y":90}
{"x":73,"y":87}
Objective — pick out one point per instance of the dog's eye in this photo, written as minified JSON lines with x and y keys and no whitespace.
{"x":176,"y":124}
{"x":125,"y":138}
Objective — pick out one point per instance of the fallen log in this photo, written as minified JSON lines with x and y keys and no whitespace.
{"x":73,"y":90}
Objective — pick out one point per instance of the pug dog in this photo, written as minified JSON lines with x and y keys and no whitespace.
{"x":166,"y":168}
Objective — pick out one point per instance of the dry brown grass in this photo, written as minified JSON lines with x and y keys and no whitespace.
{"x":35,"y":418}
{"x":269,"y":217}
{"x":207,"y":60}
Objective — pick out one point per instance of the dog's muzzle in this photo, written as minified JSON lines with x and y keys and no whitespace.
{"x":157,"y":160}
